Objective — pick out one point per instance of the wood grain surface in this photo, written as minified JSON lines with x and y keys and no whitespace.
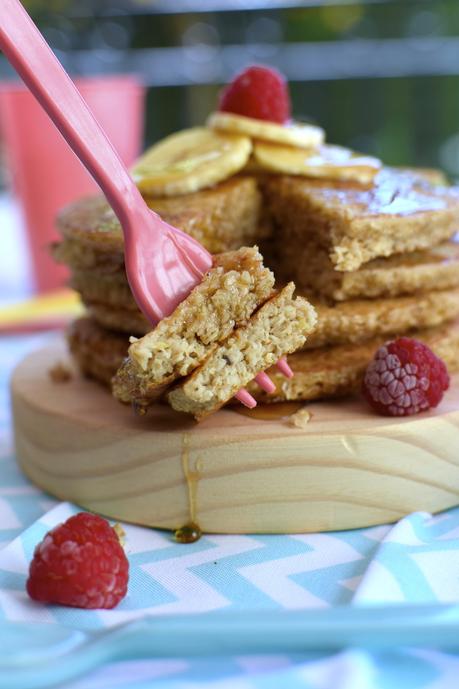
{"x":231,"y":473}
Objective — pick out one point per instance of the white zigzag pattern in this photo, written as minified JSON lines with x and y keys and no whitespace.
{"x":19,"y":608}
{"x":437,"y":567}
{"x":378,"y":585}
{"x":273,"y":578}
{"x":8,"y":518}
{"x":191,"y":593}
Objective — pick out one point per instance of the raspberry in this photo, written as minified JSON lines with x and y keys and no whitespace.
{"x":79,"y":563}
{"x":405,"y":377}
{"x":259,"y":92}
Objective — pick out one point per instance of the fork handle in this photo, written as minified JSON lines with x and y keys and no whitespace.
{"x":30,"y":55}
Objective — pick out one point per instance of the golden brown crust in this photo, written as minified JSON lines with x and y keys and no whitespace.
{"x":121,"y":320}
{"x":109,"y":289}
{"x":325,"y":372}
{"x":230,"y":215}
{"x":97,"y":351}
{"x":362,"y":319}
{"x":222,"y":218}
{"x":82,"y":256}
{"x":355,"y":320}
{"x":338,"y":371}
{"x":400,"y":274}
{"x":354,"y":224}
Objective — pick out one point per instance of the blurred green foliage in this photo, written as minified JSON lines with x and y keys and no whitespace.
{"x":404,"y":120}
{"x":38,"y":8}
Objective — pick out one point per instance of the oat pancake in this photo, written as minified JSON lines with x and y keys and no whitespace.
{"x":402,"y":211}
{"x":361,"y":319}
{"x":222,"y":219}
{"x":110,"y":302}
{"x":338,"y":371}
{"x":98,"y":352}
{"x":325,"y":372}
{"x":279,"y":327}
{"x":226,"y":298}
{"x":400,"y":274}
{"x":108,"y":289}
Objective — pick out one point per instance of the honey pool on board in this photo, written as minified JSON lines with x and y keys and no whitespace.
{"x":270,"y":412}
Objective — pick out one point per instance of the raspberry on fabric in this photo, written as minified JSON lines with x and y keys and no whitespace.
{"x":404,"y":378}
{"x":259,"y":92}
{"x":79,"y":563}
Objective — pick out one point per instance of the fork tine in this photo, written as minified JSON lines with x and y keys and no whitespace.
{"x":284,"y":368}
{"x":246,"y":398}
{"x":265,"y":382}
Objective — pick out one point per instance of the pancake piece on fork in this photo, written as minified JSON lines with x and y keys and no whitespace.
{"x":279,"y":327}
{"x":226,"y":298}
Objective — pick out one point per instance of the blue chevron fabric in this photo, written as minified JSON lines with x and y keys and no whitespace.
{"x":416,"y":560}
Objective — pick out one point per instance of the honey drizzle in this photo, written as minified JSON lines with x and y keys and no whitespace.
{"x":270,"y":412}
{"x":190,"y":532}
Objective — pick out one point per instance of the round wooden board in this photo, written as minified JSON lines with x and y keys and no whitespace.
{"x":231,"y":474}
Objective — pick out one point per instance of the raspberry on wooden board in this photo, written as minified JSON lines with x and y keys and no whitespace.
{"x":404,"y":378}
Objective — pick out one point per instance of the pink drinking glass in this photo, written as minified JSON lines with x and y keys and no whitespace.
{"x":45,"y":173}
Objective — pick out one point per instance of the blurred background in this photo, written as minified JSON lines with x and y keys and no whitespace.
{"x":381,"y":76}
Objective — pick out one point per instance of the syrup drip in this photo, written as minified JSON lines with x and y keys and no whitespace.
{"x":190,"y":532}
{"x":270,"y":412}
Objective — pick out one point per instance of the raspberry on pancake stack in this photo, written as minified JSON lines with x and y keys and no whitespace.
{"x":369,"y":247}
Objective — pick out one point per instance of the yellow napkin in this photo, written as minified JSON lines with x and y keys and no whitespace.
{"x":47,"y":310}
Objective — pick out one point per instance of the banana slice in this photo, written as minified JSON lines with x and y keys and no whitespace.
{"x":293,"y":134}
{"x":190,"y":160}
{"x":331,"y":162}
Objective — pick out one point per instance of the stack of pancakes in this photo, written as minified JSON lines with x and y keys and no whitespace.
{"x":376,"y":260}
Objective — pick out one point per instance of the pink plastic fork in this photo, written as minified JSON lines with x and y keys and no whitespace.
{"x":163,"y":264}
